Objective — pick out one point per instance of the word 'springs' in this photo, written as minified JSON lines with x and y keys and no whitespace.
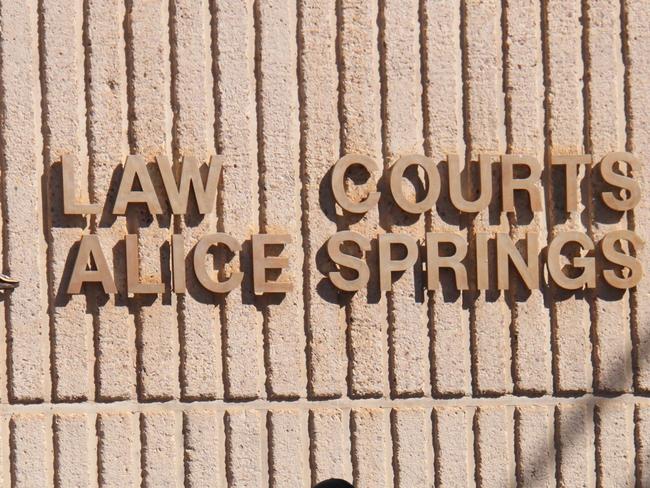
{"x":573,"y":260}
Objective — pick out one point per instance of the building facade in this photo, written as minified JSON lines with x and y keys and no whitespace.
{"x":159,"y":386}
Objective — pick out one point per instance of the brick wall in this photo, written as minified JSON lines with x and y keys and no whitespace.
{"x":406,"y":389}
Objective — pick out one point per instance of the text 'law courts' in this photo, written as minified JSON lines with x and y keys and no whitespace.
{"x":414,"y":184}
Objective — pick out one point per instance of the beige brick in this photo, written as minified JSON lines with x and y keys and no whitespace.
{"x":575,"y":445}
{"x":320,"y":141}
{"x":330,"y":444}
{"x":237,"y":141}
{"x":407,"y":310}
{"x":31,"y":451}
{"x":412,"y":446}
{"x":371,"y":452}
{"x":443,"y":135}
{"x":75,"y":450}
{"x":525,"y":135}
{"x":107,"y":150}
{"x":162,"y":461}
{"x":361,"y":129}
{"x":65,"y":130}
{"x":288,"y":460}
{"x":534,"y":446}
{"x":493,"y":430}
{"x":280,"y":181}
{"x":118,"y":447}
{"x":606,"y":117}
{"x":25,"y":257}
{"x":204,"y":440}
{"x":150,"y":135}
{"x":614,"y":422}
{"x":638,"y":36}
{"x":484,"y":116}
{"x":192,"y":97}
{"x":573,"y":370}
{"x":453,"y":443}
{"x":245,"y":438}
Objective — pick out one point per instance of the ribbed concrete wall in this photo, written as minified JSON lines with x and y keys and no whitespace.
{"x":530,"y":389}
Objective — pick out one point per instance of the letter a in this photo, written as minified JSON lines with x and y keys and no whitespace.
{"x":135,"y":166}
{"x":90,"y":251}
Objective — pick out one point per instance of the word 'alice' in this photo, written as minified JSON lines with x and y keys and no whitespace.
{"x":348,"y":250}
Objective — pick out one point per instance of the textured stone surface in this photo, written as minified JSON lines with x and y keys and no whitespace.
{"x":443,"y":134}
{"x":524,"y":104}
{"x":534,"y":446}
{"x":361,"y":132}
{"x":107,"y":123}
{"x":407,"y":389}
{"x":565,"y":135}
{"x":150,"y":134}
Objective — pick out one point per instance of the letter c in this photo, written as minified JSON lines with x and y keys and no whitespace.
{"x":200,"y":253}
{"x":338,"y":187}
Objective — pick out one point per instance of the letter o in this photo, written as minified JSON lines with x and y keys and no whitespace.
{"x":397,"y":173}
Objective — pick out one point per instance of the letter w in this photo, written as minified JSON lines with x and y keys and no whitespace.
{"x":178,"y":195}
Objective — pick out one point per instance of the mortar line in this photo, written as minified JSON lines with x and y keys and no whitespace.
{"x":304,"y":403}
{"x":354,"y":456}
{"x":98,"y":451}
{"x":176,"y":220}
{"x":304,"y":198}
{"x":587,"y":144}
{"x":221,"y":317}
{"x":267,"y":449}
{"x":510,"y":295}
{"x":631,"y":221}
{"x":340,"y":223}
{"x":131,"y":224}
{"x":227,"y":442}
{"x":468,"y":221}
{"x":56,"y":449}
{"x":631,"y":225}
{"x":92,"y":220}
{"x":12,"y":452}
{"x":46,"y":217}
{"x":394,"y":444}
{"x":386,"y":155}
{"x":428,"y":151}
{"x":311,"y":448}
{"x":637,"y":443}
{"x":261,"y":188}
{"x":546,"y":77}
{"x":142,"y":449}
